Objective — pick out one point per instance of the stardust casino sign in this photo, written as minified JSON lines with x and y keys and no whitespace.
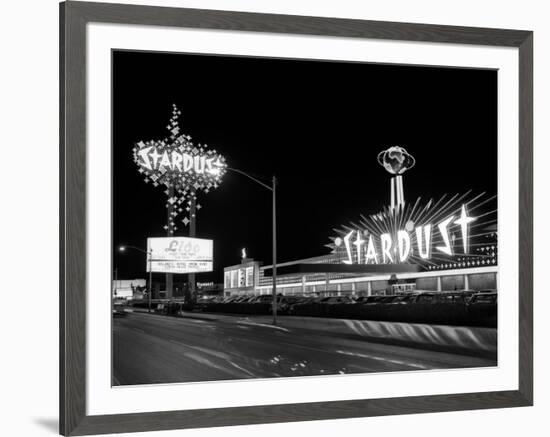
{"x":182,"y":167}
{"x":453,"y":232}
{"x":179,"y":165}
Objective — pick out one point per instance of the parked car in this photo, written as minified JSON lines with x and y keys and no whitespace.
{"x":235,"y":299}
{"x":361,"y":299}
{"x":484,"y":298}
{"x":315,"y":306}
{"x":118,"y":311}
{"x":331,"y":300}
{"x":372,"y":300}
{"x":426,"y":297}
{"x":294,"y":300}
{"x":482,"y":309}
{"x":402,"y":299}
{"x":203,"y":303}
{"x":304,"y":305}
{"x":263,"y":298}
{"x":283,"y":302}
{"x":487,"y":290}
{"x":453,"y":297}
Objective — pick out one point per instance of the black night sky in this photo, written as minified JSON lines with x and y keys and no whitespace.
{"x":318,"y":126}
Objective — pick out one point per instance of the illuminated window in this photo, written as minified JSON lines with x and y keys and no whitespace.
{"x":234,"y":278}
{"x":227,"y":280}
{"x":241,"y":277}
{"x":250,"y":276}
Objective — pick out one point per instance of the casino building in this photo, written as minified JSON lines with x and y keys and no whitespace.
{"x":442,"y":245}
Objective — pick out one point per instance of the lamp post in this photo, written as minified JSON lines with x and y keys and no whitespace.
{"x":149,"y":256}
{"x":273,"y":189}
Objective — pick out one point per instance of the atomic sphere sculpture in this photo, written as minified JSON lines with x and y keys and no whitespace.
{"x":396,"y":160}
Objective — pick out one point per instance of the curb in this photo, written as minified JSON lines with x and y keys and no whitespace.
{"x":472,"y":340}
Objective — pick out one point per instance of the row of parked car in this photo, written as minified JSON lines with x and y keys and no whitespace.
{"x":291,"y":304}
{"x":465,"y":307}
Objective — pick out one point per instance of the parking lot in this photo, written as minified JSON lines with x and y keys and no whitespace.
{"x":457,"y":308}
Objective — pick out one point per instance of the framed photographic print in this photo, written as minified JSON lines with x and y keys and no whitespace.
{"x":270,"y":218}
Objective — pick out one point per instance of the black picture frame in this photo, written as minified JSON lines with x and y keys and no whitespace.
{"x":73,"y":19}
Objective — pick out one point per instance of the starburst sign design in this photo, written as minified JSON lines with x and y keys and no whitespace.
{"x":181,"y":166}
{"x":453,"y":232}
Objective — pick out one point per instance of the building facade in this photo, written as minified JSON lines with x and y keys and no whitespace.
{"x":127,"y":288}
{"x":338,"y":284}
{"x":446,"y":244}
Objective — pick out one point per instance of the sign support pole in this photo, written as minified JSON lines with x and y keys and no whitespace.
{"x":169,"y":233}
{"x":192,"y":234}
{"x":150,"y":256}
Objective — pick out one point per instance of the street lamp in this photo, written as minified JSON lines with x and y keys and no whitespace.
{"x":273,"y":189}
{"x":149,"y":256}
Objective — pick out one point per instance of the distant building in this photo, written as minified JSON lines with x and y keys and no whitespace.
{"x":242,"y":278}
{"x":127,"y":288}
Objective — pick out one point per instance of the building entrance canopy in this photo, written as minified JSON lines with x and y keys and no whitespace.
{"x":374,"y":269}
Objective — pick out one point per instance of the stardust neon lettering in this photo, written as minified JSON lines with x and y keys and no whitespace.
{"x":348,"y":248}
{"x":386,"y":248}
{"x":447,"y":249}
{"x":423,"y":242}
{"x":151,"y":159}
{"x":371,"y":252}
{"x":404,"y":245}
{"x":399,"y":247}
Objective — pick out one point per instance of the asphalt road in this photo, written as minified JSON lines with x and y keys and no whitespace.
{"x":151,"y":349}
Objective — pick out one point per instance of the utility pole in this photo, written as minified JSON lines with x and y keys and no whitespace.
{"x":274,"y":245}
{"x":148,"y":260}
{"x":273,"y":190}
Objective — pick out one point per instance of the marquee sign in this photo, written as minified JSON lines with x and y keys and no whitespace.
{"x":454,"y":232}
{"x":179,"y":255}
{"x":181,"y":166}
